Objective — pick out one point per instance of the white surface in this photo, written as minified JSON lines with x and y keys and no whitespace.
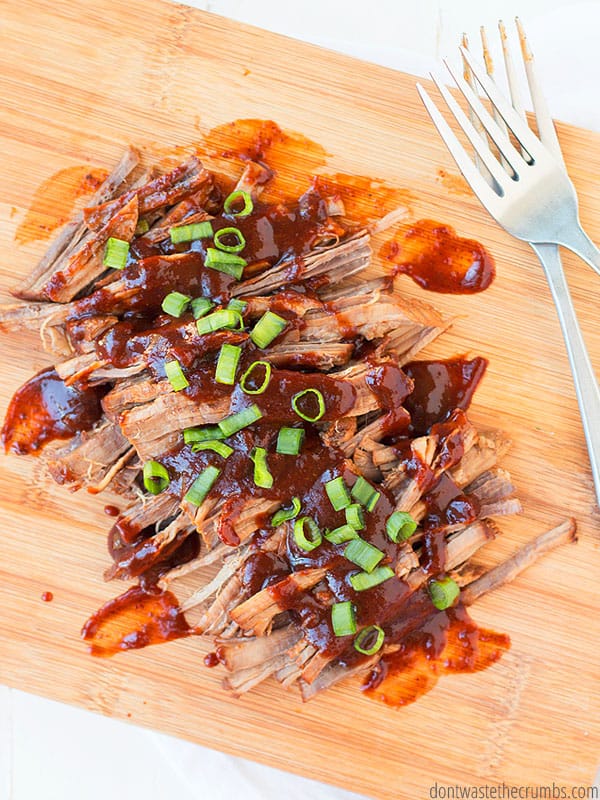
{"x":53,"y":752}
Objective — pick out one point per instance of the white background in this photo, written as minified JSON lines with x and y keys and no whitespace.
{"x":53,"y":752}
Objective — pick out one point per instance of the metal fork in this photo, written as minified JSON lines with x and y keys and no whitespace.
{"x":528,"y":192}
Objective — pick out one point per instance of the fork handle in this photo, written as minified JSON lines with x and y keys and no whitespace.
{"x":586,"y":385}
{"x":580,"y":243}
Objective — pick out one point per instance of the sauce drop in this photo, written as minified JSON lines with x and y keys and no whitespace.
{"x":47,"y":597}
{"x":133,"y":620}
{"x":112,"y":511}
{"x":211,"y":660}
{"x":439,"y":260}
{"x":45,"y":408}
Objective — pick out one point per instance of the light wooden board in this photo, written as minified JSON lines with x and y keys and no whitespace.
{"x":79,"y":81}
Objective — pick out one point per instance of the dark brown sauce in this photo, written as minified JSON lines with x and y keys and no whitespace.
{"x":439,"y":260}
{"x":262,"y":569}
{"x":391,"y":386}
{"x":47,"y":597}
{"x":273,"y":234}
{"x":211,"y":660}
{"x":439,"y":388}
{"x":449,"y":642}
{"x":133,"y":620}
{"x":53,"y":201}
{"x":451,"y":445}
{"x":112,"y":511}
{"x":447,"y":505}
{"x":44,"y":409}
{"x":137,"y":554}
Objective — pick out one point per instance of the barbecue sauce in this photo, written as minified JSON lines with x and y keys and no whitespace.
{"x":273,"y":234}
{"x":448,"y":642}
{"x":44,"y":409}
{"x":133,"y":620}
{"x":438,"y":260}
{"x":439,"y":387}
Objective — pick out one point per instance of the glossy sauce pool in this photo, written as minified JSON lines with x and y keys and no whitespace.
{"x":438,"y":260}
{"x":44,"y":409}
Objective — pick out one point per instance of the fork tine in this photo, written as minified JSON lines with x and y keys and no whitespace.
{"x":500,"y":139}
{"x":480,"y":145}
{"x":489,"y":68}
{"x":545,"y":125}
{"x":484,"y":192}
{"x":513,"y":83}
{"x":520,"y":129}
{"x":468,"y":76}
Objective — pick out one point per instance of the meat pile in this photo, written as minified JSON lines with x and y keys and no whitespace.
{"x":308,"y":562}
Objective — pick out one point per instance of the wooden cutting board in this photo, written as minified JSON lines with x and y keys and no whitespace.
{"x":81,"y":80}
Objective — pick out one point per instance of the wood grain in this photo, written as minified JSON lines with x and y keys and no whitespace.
{"x":81,"y":80}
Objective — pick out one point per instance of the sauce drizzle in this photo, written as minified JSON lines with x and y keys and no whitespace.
{"x":438,"y":260}
{"x":45,"y":408}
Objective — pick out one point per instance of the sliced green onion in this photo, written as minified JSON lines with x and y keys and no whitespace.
{"x":175,"y":303}
{"x":338,"y":494}
{"x":223,"y":318}
{"x":307,"y":534}
{"x":206,"y":434}
{"x":400,"y":526}
{"x":342,"y":534}
{"x":366,"y":580}
{"x":284,"y":514}
{"x":365,"y":494}
{"x":241,"y":419}
{"x":229,"y":248}
{"x":443,"y":593}
{"x":156,"y":477}
{"x":342,"y":618}
{"x":233,"y":199}
{"x":115,"y":254}
{"x":225,"y":262}
{"x":200,"y":488}
{"x":363,"y":554}
{"x":289,"y":441}
{"x":227,"y":363}
{"x":320,"y":400}
{"x":175,"y":375}
{"x":237,"y":305}
{"x":201,"y":306}
{"x":262,"y":476}
{"x":246,"y":377}
{"x":268,"y":327}
{"x":355,"y":516}
{"x":142,"y":227}
{"x":373,"y":501}
{"x":373,"y":633}
{"x":187,"y":233}
{"x":212,"y":444}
